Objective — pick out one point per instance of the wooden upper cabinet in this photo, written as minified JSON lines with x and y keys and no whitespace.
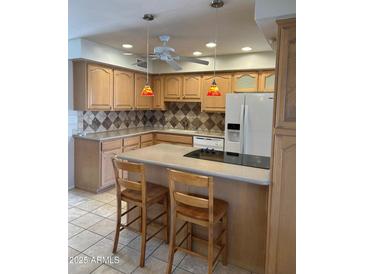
{"x":157,"y":87}
{"x":267,"y":81}
{"x":245,"y":81}
{"x":141,"y":102}
{"x":99,"y":87}
{"x":286,"y":79}
{"x":191,"y":86}
{"x":123,"y":90}
{"x":216,"y":103}
{"x":172,"y":86}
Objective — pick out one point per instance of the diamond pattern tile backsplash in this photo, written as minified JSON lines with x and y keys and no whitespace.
{"x":177,"y":115}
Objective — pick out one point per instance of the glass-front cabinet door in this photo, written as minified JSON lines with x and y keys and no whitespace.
{"x":267,"y":81}
{"x":245,"y":81}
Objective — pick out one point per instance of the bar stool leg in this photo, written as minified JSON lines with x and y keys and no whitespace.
{"x":172,"y":244}
{"x":166,"y":219}
{"x":143,"y":235}
{"x":189,"y":226}
{"x":210,"y":249}
{"x":225,"y":239}
{"x":117,"y":227}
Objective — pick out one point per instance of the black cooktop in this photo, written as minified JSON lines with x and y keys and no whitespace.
{"x":231,"y":158}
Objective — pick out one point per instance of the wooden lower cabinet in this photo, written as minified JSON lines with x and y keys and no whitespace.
{"x":93,"y":165}
{"x":107,"y":170}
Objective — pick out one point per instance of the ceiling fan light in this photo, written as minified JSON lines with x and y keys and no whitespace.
{"x":147,"y":91}
{"x":197,"y":53}
{"x":214,"y":90}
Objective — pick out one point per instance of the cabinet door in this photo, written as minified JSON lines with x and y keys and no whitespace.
{"x":108,"y":177}
{"x":142,"y":102}
{"x":267,"y":81}
{"x":191,"y":86}
{"x":157,"y":86}
{"x":216,"y":103}
{"x":99,"y":87}
{"x":286,"y":77}
{"x":123,"y":90}
{"x":281,"y":223}
{"x":172,"y":86}
{"x":245,"y":82}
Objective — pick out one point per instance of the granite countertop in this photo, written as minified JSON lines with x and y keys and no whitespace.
{"x":128,"y":132}
{"x":172,"y":156}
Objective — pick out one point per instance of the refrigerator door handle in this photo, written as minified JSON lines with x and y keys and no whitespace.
{"x":242,"y":132}
{"x":245,"y":127}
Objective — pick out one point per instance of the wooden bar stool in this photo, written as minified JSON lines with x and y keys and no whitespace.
{"x":141,"y":195}
{"x":200,"y":210}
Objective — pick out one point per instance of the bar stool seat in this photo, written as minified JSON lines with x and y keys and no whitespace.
{"x":154,"y":192}
{"x":219,"y":209}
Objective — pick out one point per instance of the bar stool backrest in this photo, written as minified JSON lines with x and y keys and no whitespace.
{"x":136,"y":168}
{"x":195,"y":180}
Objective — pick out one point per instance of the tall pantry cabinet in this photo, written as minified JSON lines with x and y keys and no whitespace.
{"x":280,"y":249}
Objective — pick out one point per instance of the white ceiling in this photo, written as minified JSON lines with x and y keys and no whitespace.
{"x":190,"y":23}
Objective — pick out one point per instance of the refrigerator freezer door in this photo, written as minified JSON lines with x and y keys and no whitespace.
{"x":258,"y":124}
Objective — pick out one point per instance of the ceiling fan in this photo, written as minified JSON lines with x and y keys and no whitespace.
{"x":163,"y":53}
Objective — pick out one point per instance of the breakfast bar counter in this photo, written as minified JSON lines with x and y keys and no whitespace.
{"x":244,"y":188}
{"x":172,"y":156}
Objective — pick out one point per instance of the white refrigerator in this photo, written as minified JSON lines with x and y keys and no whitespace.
{"x":248,"y":123}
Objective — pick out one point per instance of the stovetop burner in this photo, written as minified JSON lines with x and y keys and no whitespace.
{"x":230,"y":158}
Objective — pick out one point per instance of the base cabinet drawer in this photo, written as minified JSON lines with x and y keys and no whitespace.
{"x":173,"y":138}
{"x":131,"y":141}
{"x":128,"y":148}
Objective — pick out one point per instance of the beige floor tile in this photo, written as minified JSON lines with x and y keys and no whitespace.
{"x":162,"y":253}
{"x":194,"y":264}
{"x":128,"y":260}
{"x":125,"y":236}
{"x":81,"y":264}
{"x":103,"y":227}
{"x":104,"y":269}
{"x":83,"y":240}
{"x":105,"y":210}
{"x":151,"y":245}
{"x":90,"y":205}
{"x":111,"y":191}
{"x":113,"y":217}
{"x":75,"y":200}
{"x":72,"y":252}
{"x":180,"y":271}
{"x":74,"y":213}
{"x":103,"y":248}
{"x":87,"y":220}
{"x":229,"y":269}
{"x":79,"y":192}
{"x":152,"y":266}
{"x":114,"y":203}
{"x":73,"y":230}
{"x":104,"y":197}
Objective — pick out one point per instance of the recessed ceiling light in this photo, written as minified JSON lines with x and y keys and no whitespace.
{"x":211,"y":45}
{"x":246,"y":49}
{"x":127,"y":46}
{"x":197,"y":53}
{"x":127,"y":53}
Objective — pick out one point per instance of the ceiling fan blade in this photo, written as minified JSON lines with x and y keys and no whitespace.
{"x":173,"y":64}
{"x":191,"y":59}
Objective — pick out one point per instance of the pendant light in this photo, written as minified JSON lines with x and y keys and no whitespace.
{"x":214,"y":90}
{"x":147,"y":90}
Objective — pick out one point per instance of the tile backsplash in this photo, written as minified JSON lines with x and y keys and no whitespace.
{"x":177,"y":115}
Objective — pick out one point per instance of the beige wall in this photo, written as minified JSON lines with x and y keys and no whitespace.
{"x":81,"y":48}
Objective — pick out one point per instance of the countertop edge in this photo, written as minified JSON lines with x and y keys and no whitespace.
{"x":231,"y":177}
{"x":146,"y":132}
